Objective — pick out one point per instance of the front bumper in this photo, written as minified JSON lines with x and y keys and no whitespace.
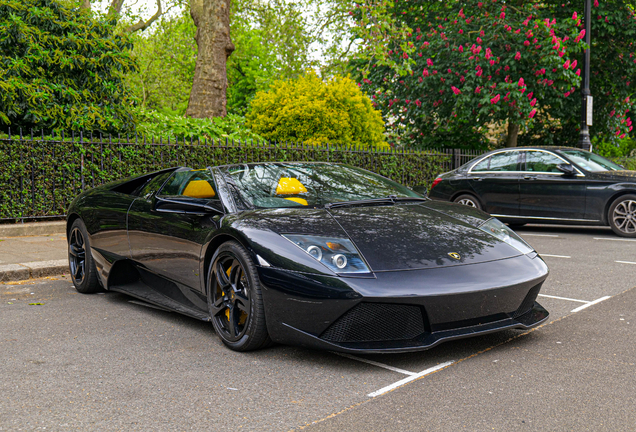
{"x":403,"y":311}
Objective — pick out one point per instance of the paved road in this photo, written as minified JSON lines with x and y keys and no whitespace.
{"x":100,"y":362}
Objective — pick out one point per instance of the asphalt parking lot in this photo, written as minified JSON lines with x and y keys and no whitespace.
{"x":101,"y":362}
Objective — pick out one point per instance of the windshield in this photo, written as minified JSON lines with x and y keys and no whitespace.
{"x":277,"y":185}
{"x":590,"y":161}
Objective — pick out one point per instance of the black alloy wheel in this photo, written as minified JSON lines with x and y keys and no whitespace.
{"x":234,"y":299}
{"x":468,"y":200}
{"x":622,"y":216}
{"x":80,"y":260}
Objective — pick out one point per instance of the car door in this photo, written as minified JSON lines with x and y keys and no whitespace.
{"x":495,"y":180}
{"x":548,"y":193}
{"x":165,"y":236}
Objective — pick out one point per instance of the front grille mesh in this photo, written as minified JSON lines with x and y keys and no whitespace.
{"x":376,"y":322}
{"x":527,"y":302}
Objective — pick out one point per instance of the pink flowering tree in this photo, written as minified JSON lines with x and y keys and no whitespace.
{"x":472,"y":65}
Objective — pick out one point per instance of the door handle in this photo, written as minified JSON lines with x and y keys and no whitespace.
{"x":529,"y":178}
{"x":477,"y":178}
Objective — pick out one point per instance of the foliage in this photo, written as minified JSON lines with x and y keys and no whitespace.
{"x":29,"y":188}
{"x":166,"y":55}
{"x":477,"y":64}
{"x":62,"y":69}
{"x":311,"y":110}
{"x":625,"y":148}
{"x":155,"y":125}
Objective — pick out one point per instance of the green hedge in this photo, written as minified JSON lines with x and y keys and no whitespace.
{"x":40,"y":177}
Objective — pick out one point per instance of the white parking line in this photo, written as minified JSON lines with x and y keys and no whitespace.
{"x":625,"y":262}
{"x":538,"y":235}
{"x":563,"y":298}
{"x":375,"y":363}
{"x":590,"y":304}
{"x":555,"y":256}
{"x":614,"y":239}
{"x":409,"y":379}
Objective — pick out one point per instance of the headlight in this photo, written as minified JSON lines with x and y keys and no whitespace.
{"x":338,"y":254}
{"x":497,"y":229}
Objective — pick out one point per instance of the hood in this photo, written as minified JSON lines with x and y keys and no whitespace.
{"x":621,"y":175}
{"x":414,"y":236}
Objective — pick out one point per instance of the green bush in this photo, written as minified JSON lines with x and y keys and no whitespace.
{"x":313,"y":111}
{"x":155,"y":125}
{"x":61,"y":69}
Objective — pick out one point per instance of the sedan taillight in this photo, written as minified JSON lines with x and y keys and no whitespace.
{"x":437,"y":180}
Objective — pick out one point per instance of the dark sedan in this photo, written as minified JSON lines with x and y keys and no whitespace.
{"x":545,"y":185}
{"x":313,"y":254}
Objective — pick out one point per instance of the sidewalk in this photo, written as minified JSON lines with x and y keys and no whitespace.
{"x":32,"y":256}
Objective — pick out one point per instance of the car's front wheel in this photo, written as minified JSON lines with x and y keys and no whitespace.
{"x":234,"y":299}
{"x":622,"y":216}
{"x":468,"y":200}
{"x":80,"y":260}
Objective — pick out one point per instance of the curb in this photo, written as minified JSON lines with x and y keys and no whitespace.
{"x":32,"y":270}
{"x":32,"y":229}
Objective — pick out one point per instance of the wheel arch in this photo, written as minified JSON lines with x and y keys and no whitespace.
{"x":72,"y":217}
{"x":465,"y":192}
{"x":611,"y":200}
{"x":211,"y":248}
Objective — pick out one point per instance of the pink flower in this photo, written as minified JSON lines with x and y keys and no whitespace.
{"x":506,"y":68}
{"x":461,"y":31}
{"x":595,"y":3}
{"x":561,"y":53}
{"x":455,"y":90}
{"x":530,"y":95}
{"x":418,"y":103}
{"x":526,"y":43}
{"x":622,"y":136}
{"x":502,"y":15}
{"x":478,"y":40}
{"x":573,"y":64}
{"x":425,"y":72}
{"x":492,"y":62}
{"x":518,"y":55}
{"x":521,"y":82}
{"x":566,"y":65}
{"x":574,"y":16}
{"x":429,"y":62}
{"x":425,"y":44}
{"x":461,"y":48}
{"x":533,"y":102}
{"x":478,"y":89}
{"x":405,"y":56}
{"x":532,"y":113}
{"x":479,"y":72}
{"x":566,"y":94}
{"x":495,"y":99}
{"x":550,"y":82}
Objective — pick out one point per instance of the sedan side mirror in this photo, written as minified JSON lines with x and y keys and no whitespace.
{"x":422,"y":190}
{"x":566,"y":169}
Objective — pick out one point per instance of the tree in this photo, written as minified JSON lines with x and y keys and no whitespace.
{"x":62,"y":69}
{"x":470,"y":65}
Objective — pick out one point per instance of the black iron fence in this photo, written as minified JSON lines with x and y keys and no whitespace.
{"x":40,"y":175}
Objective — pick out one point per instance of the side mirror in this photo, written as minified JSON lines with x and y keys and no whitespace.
{"x":422,"y":190}
{"x":566,"y":169}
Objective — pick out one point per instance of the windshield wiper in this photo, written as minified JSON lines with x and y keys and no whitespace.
{"x":390,"y":200}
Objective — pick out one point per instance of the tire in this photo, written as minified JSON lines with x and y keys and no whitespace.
{"x":622,"y":216}
{"x":468,"y":200}
{"x":80,"y":260}
{"x":235,"y":301}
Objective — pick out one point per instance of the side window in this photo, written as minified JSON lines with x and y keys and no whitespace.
{"x":505,"y":161}
{"x":193,"y":184}
{"x":538,"y":161}
{"x":482,"y":166}
{"x":153,"y":185}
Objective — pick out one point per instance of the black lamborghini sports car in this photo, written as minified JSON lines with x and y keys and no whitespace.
{"x":313,"y":254}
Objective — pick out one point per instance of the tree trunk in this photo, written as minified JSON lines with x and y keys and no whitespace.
{"x":208,"y":97}
{"x":513,"y":132}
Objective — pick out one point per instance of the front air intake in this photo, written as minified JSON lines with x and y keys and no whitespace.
{"x":528,"y":302}
{"x":376,"y":322}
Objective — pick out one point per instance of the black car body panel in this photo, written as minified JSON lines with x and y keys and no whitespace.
{"x":520,"y":195}
{"x":415,"y":295}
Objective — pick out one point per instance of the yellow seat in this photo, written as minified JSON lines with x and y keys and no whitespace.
{"x":199,"y":189}
{"x":290,"y":186}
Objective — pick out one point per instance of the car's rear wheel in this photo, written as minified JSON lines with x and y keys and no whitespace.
{"x":80,"y":260}
{"x":234,"y":299}
{"x":622,"y":216}
{"x":468,"y":200}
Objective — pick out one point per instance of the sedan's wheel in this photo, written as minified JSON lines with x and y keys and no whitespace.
{"x":468,"y":200}
{"x":234,"y":299}
{"x":80,"y":260}
{"x":622,"y":216}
